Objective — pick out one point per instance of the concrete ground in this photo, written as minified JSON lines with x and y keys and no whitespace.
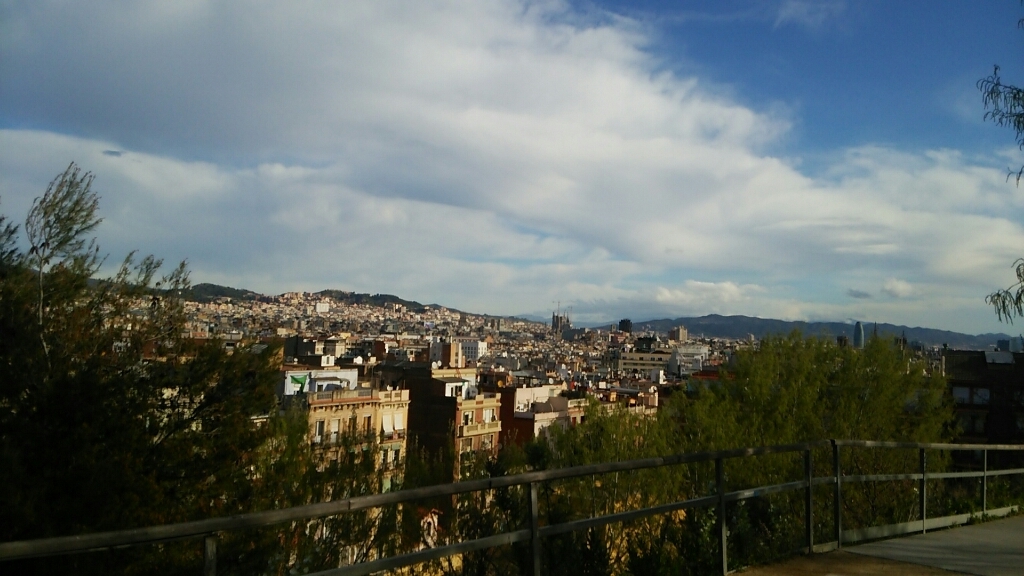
{"x":843,"y":563}
{"x":994,"y":548}
{"x":991,"y":549}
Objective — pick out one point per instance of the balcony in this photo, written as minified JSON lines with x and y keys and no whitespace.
{"x":329,"y":396}
{"x":479,"y":428}
{"x":393,"y":395}
{"x":482,"y":399}
{"x":393,"y":435}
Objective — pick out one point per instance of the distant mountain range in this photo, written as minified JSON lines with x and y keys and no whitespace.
{"x":713,"y":325}
{"x":717,"y":326}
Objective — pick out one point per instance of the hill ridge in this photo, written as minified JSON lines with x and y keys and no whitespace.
{"x":739,"y":326}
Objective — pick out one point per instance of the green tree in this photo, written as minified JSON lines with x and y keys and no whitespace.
{"x":794,"y":389}
{"x":110,"y":418}
{"x":1004,"y":105}
{"x":789,"y":390}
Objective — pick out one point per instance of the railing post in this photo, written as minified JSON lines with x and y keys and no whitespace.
{"x":210,"y":555}
{"x":809,"y":500}
{"x":837,"y":504}
{"x":722,"y":529}
{"x":535,"y":528}
{"x":923,"y":495}
{"x":984,"y":482}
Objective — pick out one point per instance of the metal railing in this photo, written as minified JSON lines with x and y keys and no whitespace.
{"x":535,"y":533}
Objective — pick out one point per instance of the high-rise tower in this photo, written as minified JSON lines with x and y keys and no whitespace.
{"x":858,"y":335}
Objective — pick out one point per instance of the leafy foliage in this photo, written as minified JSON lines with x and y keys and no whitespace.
{"x":792,"y":389}
{"x":1009,"y":302}
{"x":1004,"y":105}
{"x":110,"y":418}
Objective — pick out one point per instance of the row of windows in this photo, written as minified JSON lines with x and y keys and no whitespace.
{"x":976,"y":396}
{"x":469,"y":416}
{"x":973,"y":424}
{"x":486,"y":443}
{"x":320,"y":427}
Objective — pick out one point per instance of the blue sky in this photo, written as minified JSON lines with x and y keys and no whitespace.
{"x":802,"y":160}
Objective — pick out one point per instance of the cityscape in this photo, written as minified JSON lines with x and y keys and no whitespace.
{"x":529,"y":367}
{"x":514,"y":287}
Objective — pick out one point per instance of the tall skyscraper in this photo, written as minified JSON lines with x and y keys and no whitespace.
{"x":858,"y":335}
{"x":625,"y":325}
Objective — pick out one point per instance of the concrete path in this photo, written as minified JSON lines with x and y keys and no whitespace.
{"x":994,"y":548}
{"x":842,"y":563}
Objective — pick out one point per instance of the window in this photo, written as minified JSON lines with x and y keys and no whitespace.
{"x":487,"y":442}
{"x":979,"y":424}
{"x":384,"y":459}
{"x":981,"y":396}
{"x":467,"y":418}
{"x":489,"y":415}
{"x":398,"y":457}
{"x":318,"y":434}
{"x":352,"y":424}
{"x":961,"y":395}
{"x":467,"y":445}
{"x":973,"y":424}
{"x":335,"y":427}
{"x":367,"y":425}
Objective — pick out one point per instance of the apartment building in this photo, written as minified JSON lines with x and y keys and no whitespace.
{"x":343,"y":419}
{"x":447,"y":407}
{"x":537,"y":409}
{"x":988,"y":389}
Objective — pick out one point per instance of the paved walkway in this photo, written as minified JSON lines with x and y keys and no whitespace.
{"x":994,"y":548}
{"x":991,"y":549}
{"x":842,"y":563}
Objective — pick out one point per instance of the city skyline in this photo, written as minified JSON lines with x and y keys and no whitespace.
{"x":792,"y":160}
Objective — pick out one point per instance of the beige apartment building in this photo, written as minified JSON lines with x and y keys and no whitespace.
{"x":479,"y":424}
{"x":380,"y":415}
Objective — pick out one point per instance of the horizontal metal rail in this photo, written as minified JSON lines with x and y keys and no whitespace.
{"x":586,"y":523}
{"x":135,"y":536}
{"x":876,"y":532}
{"x":396,"y":562}
{"x":929,"y":445}
{"x":209,"y":527}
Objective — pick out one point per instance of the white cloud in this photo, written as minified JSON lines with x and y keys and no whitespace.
{"x":705,"y":295}
{"x":489,"y":156}
{"x":807,"y":13}
{"x":897,"y":288}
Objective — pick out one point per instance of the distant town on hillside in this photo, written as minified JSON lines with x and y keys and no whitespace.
{"x":708,"y":326}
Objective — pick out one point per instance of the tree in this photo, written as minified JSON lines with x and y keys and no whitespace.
{"x":794,"y":389}
{"x":1004,"y":104}
{"x":110,"y":418}
{"x":1009,"y":302}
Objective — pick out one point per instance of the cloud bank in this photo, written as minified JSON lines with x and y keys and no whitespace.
{"x":490,"y":156}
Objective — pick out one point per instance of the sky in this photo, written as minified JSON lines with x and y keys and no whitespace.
{"x":824,"y":160}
